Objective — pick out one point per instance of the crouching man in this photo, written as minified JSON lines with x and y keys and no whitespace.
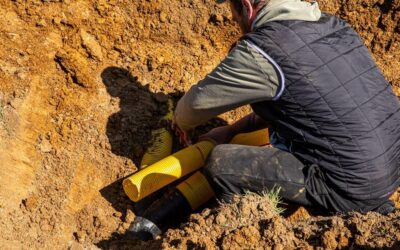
{"x":333,"y":118}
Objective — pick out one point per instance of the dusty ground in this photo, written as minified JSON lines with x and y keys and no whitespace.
{"x":252,"y":223}
{"x":79,"y":95}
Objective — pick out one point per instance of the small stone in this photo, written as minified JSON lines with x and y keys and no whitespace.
{"x":45,"y":146}
{"x":30,"y":203}
{"x":129,"y":217}
{"x":57,"y":20}
{"x":220,"y":219}
{"x":163,"y":17}
{"x":80,"y":236}
{"x":216,"y":18}
{"x":103,"y":144}
{"x":41,"y":23}
{"x":117,"y":214}
{"x":45,"y":227}
{"x":96,"y":221}
{"x":21,"y":75}
{"x":150,"y":64}
{"x":245,"y":209}
{"x":13,"y":36}
{"x":91,"y":45}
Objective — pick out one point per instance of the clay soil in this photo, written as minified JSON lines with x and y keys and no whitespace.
{"x":83,"y":84}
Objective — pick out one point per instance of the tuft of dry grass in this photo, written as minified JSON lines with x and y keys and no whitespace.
{"x":273,"y":196}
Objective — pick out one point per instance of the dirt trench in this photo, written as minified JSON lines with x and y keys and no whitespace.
{"x":82,"y":85}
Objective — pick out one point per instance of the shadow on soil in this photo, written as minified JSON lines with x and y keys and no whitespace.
{"x":140,"y":111}
{"x":129,"y":131}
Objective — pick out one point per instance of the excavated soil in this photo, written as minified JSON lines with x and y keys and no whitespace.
{"x":83,"y":83}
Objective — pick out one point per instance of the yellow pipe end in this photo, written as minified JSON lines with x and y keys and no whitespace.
{"x":131,"y":190}
{"x":196,"y":190}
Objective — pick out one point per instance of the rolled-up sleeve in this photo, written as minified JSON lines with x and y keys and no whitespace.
{"x":245,"y":76}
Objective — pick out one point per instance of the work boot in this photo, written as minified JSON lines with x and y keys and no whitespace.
{"x":163,"y":213}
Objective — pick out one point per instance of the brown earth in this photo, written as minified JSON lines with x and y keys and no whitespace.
{"x":80,"y":85}
{"x":252,"y":223}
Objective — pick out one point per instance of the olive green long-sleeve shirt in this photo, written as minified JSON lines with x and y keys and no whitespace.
{"x":247,"y":74}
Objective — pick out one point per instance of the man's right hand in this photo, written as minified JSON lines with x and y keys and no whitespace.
{"x":183,"y":136}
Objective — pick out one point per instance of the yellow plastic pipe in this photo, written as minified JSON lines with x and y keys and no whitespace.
{"x":160,"y":147}
{"x":174,"y":167}
{"x":166,"y":171}
{"x":162,"y":141}
{"x":196,"y":190}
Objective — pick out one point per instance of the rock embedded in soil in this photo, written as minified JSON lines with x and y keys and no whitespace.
{"x":91,"y":45}
{"x":76,"y":66}
{"x":163,"y":17}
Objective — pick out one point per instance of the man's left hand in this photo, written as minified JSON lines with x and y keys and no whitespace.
{"x":218,"y":135}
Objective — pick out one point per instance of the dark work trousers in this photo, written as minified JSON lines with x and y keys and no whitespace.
{"x":235,"y":169}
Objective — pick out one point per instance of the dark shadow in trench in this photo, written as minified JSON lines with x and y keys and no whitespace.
{"x":128,"y":131}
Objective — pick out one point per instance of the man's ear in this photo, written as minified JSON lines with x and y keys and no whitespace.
{"x":248,"y":11}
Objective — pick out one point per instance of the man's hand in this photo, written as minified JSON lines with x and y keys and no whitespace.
{"x":183,"y":136}
{"x":220,"y":135}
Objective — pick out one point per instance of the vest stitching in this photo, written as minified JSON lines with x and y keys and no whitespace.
{"x":370,"y":99}
{"x":325,"y":63}
{"x":329,"y":142}
{"x":358,"y":106}
{"x":288,"y":91}
{"x":369,"y":131}
{"x":306,"y":45}
{"x":341,"y":86}
{"x":300,"y":107}
{"x":374,"y":130}
{"x":383,"y":152}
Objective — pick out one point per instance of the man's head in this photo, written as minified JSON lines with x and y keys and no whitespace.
{"x":245,"y":11}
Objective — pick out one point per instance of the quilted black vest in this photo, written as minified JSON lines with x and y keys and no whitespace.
{"x":336,"y":111}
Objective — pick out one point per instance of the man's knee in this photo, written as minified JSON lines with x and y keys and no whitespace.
{"x":216,"y":162}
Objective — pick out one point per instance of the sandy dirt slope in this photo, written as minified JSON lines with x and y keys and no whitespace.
{"x":79,"y":96}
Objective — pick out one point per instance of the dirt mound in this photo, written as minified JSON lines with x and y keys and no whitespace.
{"x":79,"y":96}
{"x":252,"y":223}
